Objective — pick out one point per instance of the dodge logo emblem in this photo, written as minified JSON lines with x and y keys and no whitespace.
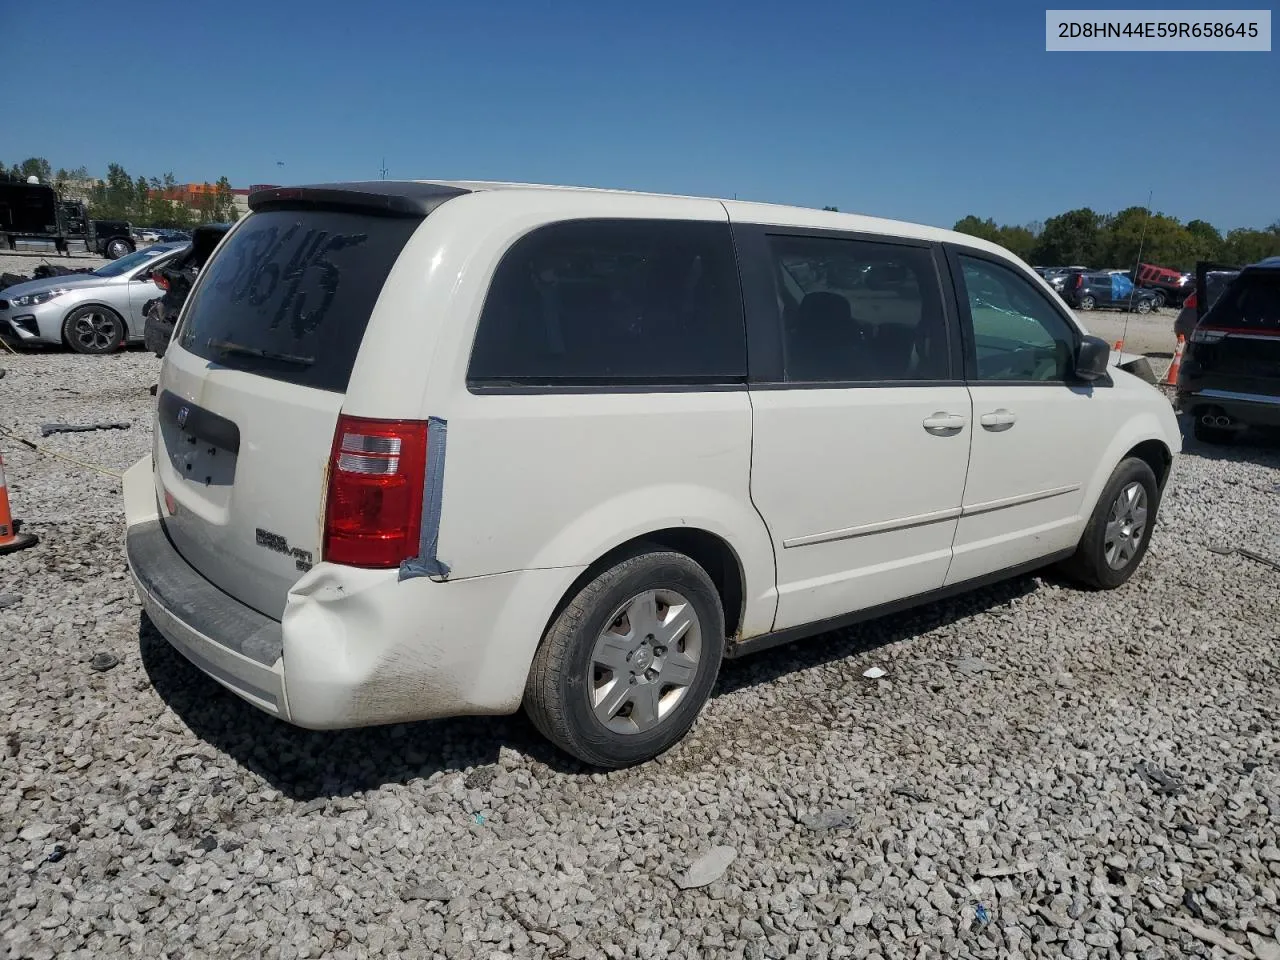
{"x":183,"y":413}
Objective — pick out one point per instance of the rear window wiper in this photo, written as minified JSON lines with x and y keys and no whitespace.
{"x":226,"y":346}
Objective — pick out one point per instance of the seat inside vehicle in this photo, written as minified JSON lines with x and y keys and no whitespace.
{"x":820,"y":336}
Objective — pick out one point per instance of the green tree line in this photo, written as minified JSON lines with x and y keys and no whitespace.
{"x":143,"y":201}
{"x":1107,"y":241}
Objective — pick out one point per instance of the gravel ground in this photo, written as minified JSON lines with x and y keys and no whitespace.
{"x":26,"y":262}
{"x":1147,"y":334}
{"x":1041,"y":771}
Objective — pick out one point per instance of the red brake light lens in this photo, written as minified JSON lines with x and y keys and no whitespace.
{"x":1190,"y":301}
{"x":160,"y":280}
{"x":373,"y":512}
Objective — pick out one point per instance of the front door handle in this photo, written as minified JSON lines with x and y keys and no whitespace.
{"x":944,"y":424}
{"x":998,"y":420}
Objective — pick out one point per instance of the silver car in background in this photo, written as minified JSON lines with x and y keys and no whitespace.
{"x":89,"y":312}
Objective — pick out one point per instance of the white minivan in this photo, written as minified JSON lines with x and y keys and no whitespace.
{"x":425,"y":449}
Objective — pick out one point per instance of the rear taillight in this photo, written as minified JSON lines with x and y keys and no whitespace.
{"x":1077,"y":282}
{"x":373,"y":512}
{"x":1190,"y":301}
{"x":160,"y":280}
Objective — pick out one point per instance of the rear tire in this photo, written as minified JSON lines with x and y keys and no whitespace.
{"x":93,"y":330}
{"x":118,"y":248}
{"x":1119,"y":531}
{"x":1145,"y":306}
{"x":1087,"y":303}
{"x":625,"y":668}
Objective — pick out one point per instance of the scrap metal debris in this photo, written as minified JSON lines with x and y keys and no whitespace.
{"x":43,"y":271}
{"x":874,"y":673}
{"x":432,"y":890}
{"x":1161,"y":781}
{"x":824,"y":820}
{"x":708,"y":868}
{"x":910,"y":794}
{"x":973,"y":665}
{"x":102,"y":662}
{"x":992,"y":870}
{"x":1224,"y":550}
{"x":1258,"y":558}
{"x":1208,"y":935}
{"x":47,"y":429}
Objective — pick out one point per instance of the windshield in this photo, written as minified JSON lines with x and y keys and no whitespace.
{"x":118,"y":268}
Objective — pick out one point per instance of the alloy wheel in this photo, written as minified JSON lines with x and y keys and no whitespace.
{"x":95,"y":331}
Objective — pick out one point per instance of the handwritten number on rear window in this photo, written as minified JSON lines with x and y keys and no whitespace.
{"x":269,"y":261}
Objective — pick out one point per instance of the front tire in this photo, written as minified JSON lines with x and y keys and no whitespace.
{"x":93,"y":330}
{"x":1118,"y":533}
{"x":625,"y":668}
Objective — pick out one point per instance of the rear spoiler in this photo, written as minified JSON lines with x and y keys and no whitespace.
{"x":386,"y":198}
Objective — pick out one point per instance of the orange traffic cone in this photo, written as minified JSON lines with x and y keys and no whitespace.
{"x":1171,"y":378}
{"x":10,"y":539}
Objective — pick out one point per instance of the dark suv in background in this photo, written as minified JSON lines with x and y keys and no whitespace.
{"x":1211,"y":280}
{"x":1230,"y":375}
{"x":1087,"y":291}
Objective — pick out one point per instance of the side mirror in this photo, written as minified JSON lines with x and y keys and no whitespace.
{"x":1092,"y":358}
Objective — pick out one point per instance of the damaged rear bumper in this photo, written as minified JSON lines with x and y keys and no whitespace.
{"x":355,"y":647}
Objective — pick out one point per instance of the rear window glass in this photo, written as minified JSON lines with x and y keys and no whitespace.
{"x":290,"y":293}
{"x":600,"y":302}
{"x":1251,"y":303}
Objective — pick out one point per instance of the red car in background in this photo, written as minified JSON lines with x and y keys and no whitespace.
{"x":1173,"y":285}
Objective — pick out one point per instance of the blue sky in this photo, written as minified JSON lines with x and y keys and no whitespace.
{"x":917,"y":111}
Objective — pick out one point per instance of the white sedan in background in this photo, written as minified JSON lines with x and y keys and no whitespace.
{"x":89,"y":312}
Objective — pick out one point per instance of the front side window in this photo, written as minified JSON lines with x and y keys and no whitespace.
{"x":614,"y":302}
{"x":1017,"y":334}
{"x":858,"y":311}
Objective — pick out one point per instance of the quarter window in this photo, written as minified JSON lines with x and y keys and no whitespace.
{"x":858,"y":311}
{"x":1017,"y":334}
{"x":600,"y":302}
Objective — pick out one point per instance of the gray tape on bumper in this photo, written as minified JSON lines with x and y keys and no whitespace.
{"x":426,"y":563}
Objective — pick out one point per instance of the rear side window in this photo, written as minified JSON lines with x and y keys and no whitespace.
{"x":290,"y":294}
{"x":1251,"y":303}
{"x":614,"y":302}
{"x":859,"y":311}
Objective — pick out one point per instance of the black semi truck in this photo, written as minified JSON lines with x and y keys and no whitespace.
{"x":34,"y":216}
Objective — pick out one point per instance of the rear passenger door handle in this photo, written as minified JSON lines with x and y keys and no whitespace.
{"x":944,"y":424}
{"x":998,"y":420}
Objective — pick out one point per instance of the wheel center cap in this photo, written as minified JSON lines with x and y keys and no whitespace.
{"x":642,"y":657}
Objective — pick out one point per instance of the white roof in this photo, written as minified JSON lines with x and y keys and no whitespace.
{"x":774,"y":214}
